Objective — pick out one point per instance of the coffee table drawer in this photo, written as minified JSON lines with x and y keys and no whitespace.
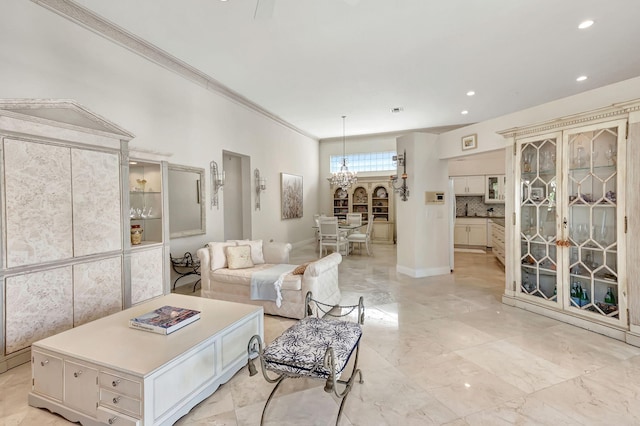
{"x":120,"y":385}
{"x":109,"y":417}
{"x":118,"y":402}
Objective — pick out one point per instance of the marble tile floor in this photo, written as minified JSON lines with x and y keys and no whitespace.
{"x":440,"y":350}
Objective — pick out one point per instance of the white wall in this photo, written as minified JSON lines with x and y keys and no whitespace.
{"x":488,"y":163}
{"x":489,"y":140}
{"x":422,"y":230}
{"x":46,"y":56}
{"x":353,"y":145}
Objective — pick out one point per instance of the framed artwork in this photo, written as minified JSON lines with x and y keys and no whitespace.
{"x":291,"y":188}
{"x":470,"y":142}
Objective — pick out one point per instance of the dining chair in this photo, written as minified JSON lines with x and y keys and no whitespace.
{"x":354,"y":218}
{"x":359,"y":238}
{"x":332,"y":236}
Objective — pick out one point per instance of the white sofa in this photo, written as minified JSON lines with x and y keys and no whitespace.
{"x":234,"y":285}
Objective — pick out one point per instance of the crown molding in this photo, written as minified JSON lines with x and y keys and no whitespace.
{"x":112,"y":32}
{"x":612,"y":112}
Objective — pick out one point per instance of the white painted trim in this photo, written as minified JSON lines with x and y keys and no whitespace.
{"x":421,"y":273}
{"x":107,"y":29}
{"x":608,"y":331}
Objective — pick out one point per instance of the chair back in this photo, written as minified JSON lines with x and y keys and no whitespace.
{"x":329,"y":229}
{"x":354,"y":218}
{"x":369,"y":227}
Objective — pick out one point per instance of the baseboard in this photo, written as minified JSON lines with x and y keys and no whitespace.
{"x":609,"y":331}
{"x":424,"y":272}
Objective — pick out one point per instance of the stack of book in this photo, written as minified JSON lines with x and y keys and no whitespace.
{"x":164,"y":320}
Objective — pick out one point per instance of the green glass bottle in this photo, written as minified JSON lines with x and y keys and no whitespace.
{"x":584,"y":297}
{"x":609,"y":298}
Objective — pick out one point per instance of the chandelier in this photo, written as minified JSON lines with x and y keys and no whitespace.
{"x":344,"y":178}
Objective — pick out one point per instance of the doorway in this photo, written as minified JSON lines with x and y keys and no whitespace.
{"x":237,"y":196}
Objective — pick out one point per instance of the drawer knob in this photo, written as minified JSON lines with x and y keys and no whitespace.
{"x":45,"y":362}
{"x":77,"y":373}
{"x":116,"y":399}
{"x":115,"y":383}
{"x":112,"y":420}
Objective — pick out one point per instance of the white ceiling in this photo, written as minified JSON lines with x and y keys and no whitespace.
{"x":312,"y":61}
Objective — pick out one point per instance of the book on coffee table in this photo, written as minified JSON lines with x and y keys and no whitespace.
{"x":164,"y":320}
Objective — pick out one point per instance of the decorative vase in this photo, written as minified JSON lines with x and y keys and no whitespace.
{"x":142,"y":183}
{"x":136,"y":234}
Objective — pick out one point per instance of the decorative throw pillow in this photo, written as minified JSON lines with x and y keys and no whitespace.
{"x":257,"y":257}
{"x":239,"y":257}
{"x":300,"y":269}
{"x":218,"y":255}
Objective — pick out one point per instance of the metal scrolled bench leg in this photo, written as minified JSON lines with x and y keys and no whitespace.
{"x":296,"y":353}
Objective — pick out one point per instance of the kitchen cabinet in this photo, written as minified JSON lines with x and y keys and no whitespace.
{"x":468,"y":185}
{"x":495,"y":189}
{"x":497,"y":237}
{"x":470,"y":232}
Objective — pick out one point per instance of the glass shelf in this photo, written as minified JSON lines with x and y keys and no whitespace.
{"x":145,"y":201}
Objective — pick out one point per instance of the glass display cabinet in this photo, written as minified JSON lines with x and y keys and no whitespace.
{"x":145,"y":198}
{"x":568,"y":215}
{"x":340,"y":204}
{"x":360,"y":202}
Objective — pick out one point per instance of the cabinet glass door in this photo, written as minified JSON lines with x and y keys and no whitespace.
{"x":538,"y":188}
{"x":570,"y":219}
{"x":592,"y":200}
{"x":492,"y":188}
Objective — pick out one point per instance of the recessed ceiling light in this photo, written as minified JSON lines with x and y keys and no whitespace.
{"x":465,"y":112}
{"x":581,"y":78}
{"x":585,"y":24}
{"x":133,"y":162}
{"x":471,"y":93}
{"x":397,"y":110}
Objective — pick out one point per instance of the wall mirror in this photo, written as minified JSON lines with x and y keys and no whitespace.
{"x":186,"y":201}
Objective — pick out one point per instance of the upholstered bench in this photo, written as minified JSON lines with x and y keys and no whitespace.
{"x":313,"y":347}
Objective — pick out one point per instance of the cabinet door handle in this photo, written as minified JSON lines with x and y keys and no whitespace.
{"x":77,"y":373}
{"x":45,"y":362}
{"x":115,"y":383}
{"x":116,"y":399}
{"x":112,"y":420}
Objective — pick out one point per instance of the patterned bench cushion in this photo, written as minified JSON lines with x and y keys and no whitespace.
{"x":301,"y":348}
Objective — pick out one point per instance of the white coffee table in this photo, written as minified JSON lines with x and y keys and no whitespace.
{"x":105,"y":372}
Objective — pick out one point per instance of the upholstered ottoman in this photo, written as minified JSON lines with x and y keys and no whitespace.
{"x":313,"y":347}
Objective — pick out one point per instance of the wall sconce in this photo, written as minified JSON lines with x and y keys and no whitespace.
{"x":217,"y":182}
{"x":261,"y":185}
{"x":403,"y":189}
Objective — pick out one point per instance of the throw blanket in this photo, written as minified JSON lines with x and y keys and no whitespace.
{"x":267,"y":284}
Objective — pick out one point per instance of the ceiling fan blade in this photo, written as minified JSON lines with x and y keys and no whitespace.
{"x":264,"y":9}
